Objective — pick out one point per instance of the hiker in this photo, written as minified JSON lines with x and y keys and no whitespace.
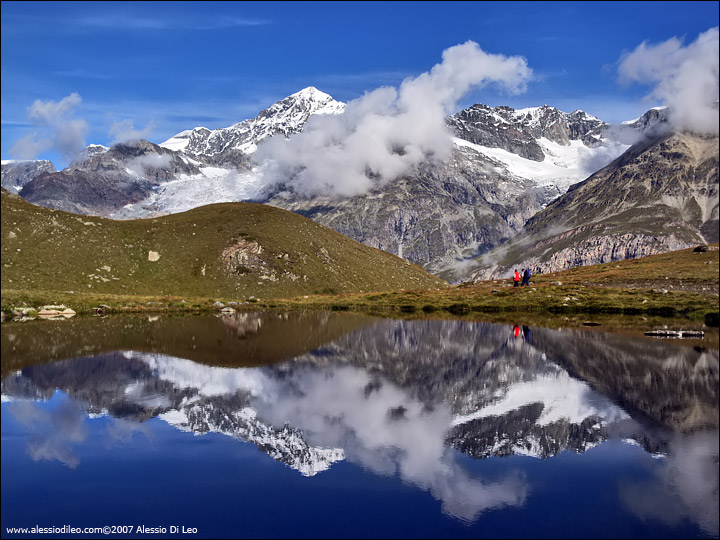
{"x":526,"y":277}
{"x":516,"y":279}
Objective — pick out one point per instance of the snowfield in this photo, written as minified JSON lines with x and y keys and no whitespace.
{"x":562,"y":166}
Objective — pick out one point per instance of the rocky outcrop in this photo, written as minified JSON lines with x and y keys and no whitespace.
{"x":603,"y":249}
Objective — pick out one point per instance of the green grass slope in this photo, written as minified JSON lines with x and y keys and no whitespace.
{"x":234,"y":250}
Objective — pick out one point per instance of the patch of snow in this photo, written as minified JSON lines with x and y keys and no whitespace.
{"x":631,"y":442}
{"x":212,"y":185}
{"x":562,"y":166}
{"x":209,"y":381}
{"x":177,"y":418}
{"x":178,"y":142}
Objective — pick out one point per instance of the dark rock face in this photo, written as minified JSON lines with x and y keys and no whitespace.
{"x":105,"y":181}
{"x":517,"y":131}
{"x":16,"y":174}
{"x":80,"y":192}
{"x":143,"y":158}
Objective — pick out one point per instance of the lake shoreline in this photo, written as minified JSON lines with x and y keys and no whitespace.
{"x":683,"y":284}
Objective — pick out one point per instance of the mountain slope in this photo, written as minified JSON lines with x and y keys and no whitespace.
{"x":434,"y":214}
{"x":238,"y":249}
{"x":660,"y":195}
{"x":505,"y":166}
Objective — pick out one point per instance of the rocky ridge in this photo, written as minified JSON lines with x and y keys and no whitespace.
{"x":518,"y":131}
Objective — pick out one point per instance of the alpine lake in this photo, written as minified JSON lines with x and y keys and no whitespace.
{"x":296,"y":424}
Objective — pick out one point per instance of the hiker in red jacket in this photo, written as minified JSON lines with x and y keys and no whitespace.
{"x":516,"y":278}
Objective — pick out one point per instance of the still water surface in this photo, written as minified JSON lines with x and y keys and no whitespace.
{"x":340,"y":425}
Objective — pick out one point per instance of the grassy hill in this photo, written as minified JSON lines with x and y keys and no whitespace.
{"x":230,"y":250}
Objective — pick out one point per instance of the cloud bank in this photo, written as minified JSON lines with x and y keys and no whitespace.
{"x":57,"y":129}
{"x":685,"y":79}
{"x":386,"y":132}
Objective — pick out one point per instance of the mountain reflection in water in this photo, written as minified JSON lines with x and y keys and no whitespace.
{"x":405,"y":398}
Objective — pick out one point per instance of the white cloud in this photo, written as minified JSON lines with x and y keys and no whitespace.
{"x":57,"y":129}
{"x":386,"y":132}
{"x":141,"y":164}
{"x":29,"y":146}
{"x":54,"y":432}
{"x":124,"y":131}
{"x":685,"y":78}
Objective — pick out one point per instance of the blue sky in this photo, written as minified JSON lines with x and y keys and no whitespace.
{"x":160,"y":68}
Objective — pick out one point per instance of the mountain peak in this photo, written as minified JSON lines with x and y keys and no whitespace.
{"x":284,"y":117}
{"x":311,"y":93}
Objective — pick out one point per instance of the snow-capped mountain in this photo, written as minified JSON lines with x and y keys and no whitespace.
{"x":286,"y":117}
{"x":553,"y":148}
{"x":504,"y":167}
{"x":518,"y":131}
{"x":90,"y":151}
{"x":651,"y":118}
